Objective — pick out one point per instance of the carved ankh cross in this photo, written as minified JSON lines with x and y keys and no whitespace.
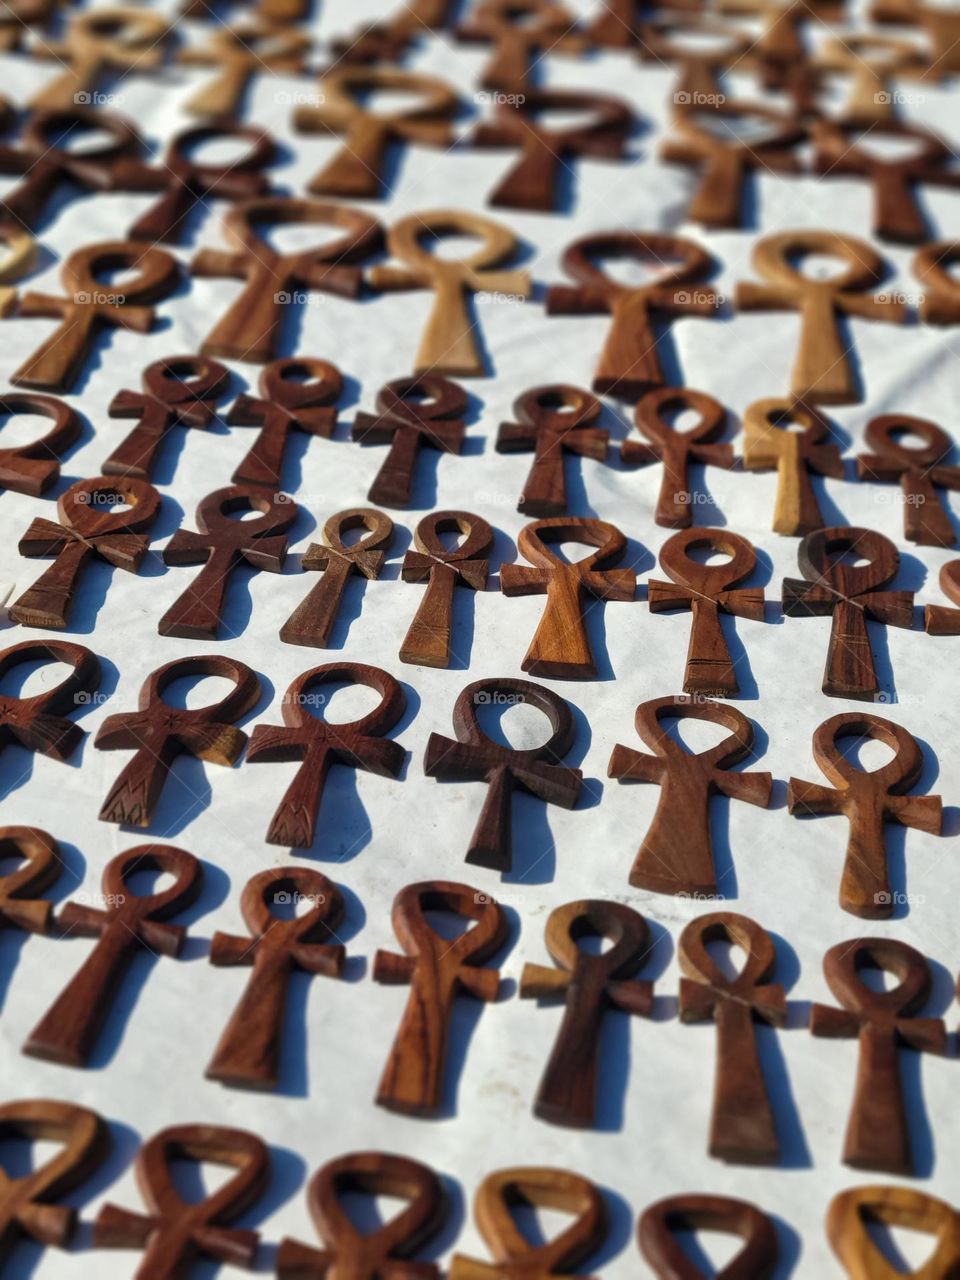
{"x":158,"y":733}
{"x":239,"y":53}
{"x":853,"y":1212}
{"x":32,"y":468}
{"x":39,"y":722}
{"x":91,"y":525}
{"x":248,"y":1052}
{"x":868,"y":799}
{"x":443,"y":569}
{"x":68,"y":1031}
{"x":795,"y":439}
{"x":175,"y":1233}
{"x":388,"y":1249}
{"x":552,"y":421}
{"x":661,"y":1224}
{"x":473,"y":756}
{"x":318,"y":744}
{"x":560,"y":647}
{"x":89,"y":306}
{"x":877,"y":1134}
{"x":742,"y":1127}
{"x":437,"y":971}
{"x":919,"y":469}
{"x":515,"y":1257}
{"x":851,"y":594}
{"x":676,"y":855}
{"x":589,"y":984}
{"x":448,"y":343}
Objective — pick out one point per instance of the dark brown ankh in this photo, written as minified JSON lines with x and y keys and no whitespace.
{"x":248,"y":1051}
{"x":90,"y":526}
{"x":221,"y":545}
{"x":560,"y":647}
{"x":250,"y":328}
{"x":852,"y":1214}
{"x":20,"y":908}
{"x":318,"y":744}
{"x":851,"y":594}
{"x":589,"y":984}
{"x":124,"y":922}
{"x":939,"y":619}
{"x":919,"y":469}
{"x":178,"y":391}
{"x":552,"y":421}
{"x":88,"y":306}
{"x":32,"y":468}
{"x":39,"y":722}
{"x":27,"y":1204}
{"x":661,"y":1224}
{"x":173,"y":1233}
{"x":311,"y":623}
{"x":388,"y":1249}
{"x":296,"y":394}
{"x":629,"y":364}
{"x":868,"y":800}
{"x":742,"y":1127}
{"x":793,"y":437}
{"x":676,"y":855}
{"x":516,"y":1257}
{"x":437,"y":971}
{"x":412,"y":413}
{"x":532,"y":183}
{"x":159,"y":733}
{"x":475,"y":757}
{"x":49,"y":169}
{"x":427,"y":642}
{"x":878,"y":1135}
{"x":185,"y":183}
{"x":522,"y":33}
{"x":677,"y":449}
{"x":705,"y":589}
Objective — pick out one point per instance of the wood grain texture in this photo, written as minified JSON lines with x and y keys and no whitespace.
{"x":883,"y":1021}
{"x":429,"y":636}
{"x":742,"y":1125}
{"x":32,"y":468}
{"x":437,"y":970}
{"x":312,"y":622}
{"x":88,"y":307}
{"x":851,"y":594}
{"x":938,"y":619}
{"x":175,"y":1234}
{"x":853,"y":1212}
{"x":220,"y":545}
{"x":97,"y":44}
{"x":425,"y":411}
{"x":104,"y":517}
{"x":655,"y":416}
{"x":385,"y":1249}
{"x":629,"y":364}
{"x":472,"y":756}
{"x":932,"y":267}
{"x":318,"y":744}
{"x":588,"y":984}
{"x":178,"y":391}
{"x":705,"y":589}
{"x":552,"y":421}
{"x":449,"y":343}
{"x":560,"y":648}
{"x":793,"y":438}
{"x":298,"y":393}
{"x":249,"y":1049}
{"x":126,"y":921}
{"x":238,"y":54}
{"x":39,"y":722}
{"x":920,"y":470}
{"x":250,"y":328}
{"x":158,"y":733}
{"x":520,"y":33}
{"x":821,"y":371}
{"x":20,"y":905}
{"x":661,"y":1223}
{"x":868,"y":799}
{"x":676,"y":855}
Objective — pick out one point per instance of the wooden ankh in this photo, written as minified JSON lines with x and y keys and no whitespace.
{"x":552,"y":421}
{"x":443,"y":569}
{"x":661,"y":1223}
{"x":20,"y":907}
{"x":39,"y":721}
{"x":98,"y":42}
{"x":852,"y":1213}
{"x":919,"y":469}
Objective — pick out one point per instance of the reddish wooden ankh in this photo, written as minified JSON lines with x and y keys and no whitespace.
{"x":878,"y":1135}
{"x":67,"y":1033}
{"x":588,"y":983}
{"x":437,"y":971}
{"x":104,"y":517}
{"x":174,"y":1233}
{"x":20,"y":908}
{"x":676,"y":855}
{"x":662,"y":1225}
{"x":919,"y":469}
{"x":318,"y":744}
{"x":178,"y":391}
{"x":443,"y":569}
{"x":39,"y":722}
{"x":248,"y":1052}
{"x":158,"y":733}
{"x":868,"y":799}
{"x":32,"y":468}
{"x":552,"y":421}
